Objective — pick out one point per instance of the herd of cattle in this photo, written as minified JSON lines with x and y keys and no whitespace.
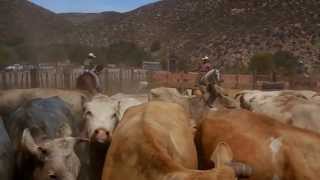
{"x":51,"y":134}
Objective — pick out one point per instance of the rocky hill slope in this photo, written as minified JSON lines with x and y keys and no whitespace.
{"x":229,"y":31}
{"x":30,"y":32}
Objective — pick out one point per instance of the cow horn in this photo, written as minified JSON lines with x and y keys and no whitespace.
{"x":241,"y":170}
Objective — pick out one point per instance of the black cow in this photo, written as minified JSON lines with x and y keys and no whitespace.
{"x":41,"y":131}
{"x":6,"y":154}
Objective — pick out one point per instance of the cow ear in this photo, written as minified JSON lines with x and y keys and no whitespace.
{"x":30,"y":145}
{"x":117,"y":111}
{"x":222,"y":155}
{"x":238,"y":95}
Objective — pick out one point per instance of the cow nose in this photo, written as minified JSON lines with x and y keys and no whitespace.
{"x":101,"y":136}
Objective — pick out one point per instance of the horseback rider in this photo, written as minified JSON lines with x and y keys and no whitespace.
{"x":204,"y":67}
{"x":208,"y":79}
{"x":94,"y":70}
{"x":88,"y":62}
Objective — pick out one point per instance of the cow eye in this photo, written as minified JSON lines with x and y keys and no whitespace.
{"x":88,"y":113}
{"x":43,"y":150}
{"x":114,"y":115}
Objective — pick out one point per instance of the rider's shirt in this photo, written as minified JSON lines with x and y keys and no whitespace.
{"x":88,"y":63}
{"x":206,"y":67}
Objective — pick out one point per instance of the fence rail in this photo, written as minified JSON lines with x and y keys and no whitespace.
{"x":127,"y":80}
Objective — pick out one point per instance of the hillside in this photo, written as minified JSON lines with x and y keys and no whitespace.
{"x":228,"y":31}
{"x":31,"y":32}
{"x":88,"y":18}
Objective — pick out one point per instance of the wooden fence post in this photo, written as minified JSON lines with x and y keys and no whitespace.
{"x":4,"y":83}
{"x":67,"y":77}
{"x":120,"y":79}
{"x":106,"y":80}
{"x":34,"y":78}
{"x":254,"y":79}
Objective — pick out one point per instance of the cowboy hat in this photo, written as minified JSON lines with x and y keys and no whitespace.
{"x":205,"y":58}
{"x":91,"y":55}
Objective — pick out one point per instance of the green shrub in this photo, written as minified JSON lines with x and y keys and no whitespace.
{"x":4,"y":55}
{"x":261,"y":63}
{"x":285,"y":62}
{"x":317,"y":42}
{"x":126,"y":53}
{"x":155,"y":46}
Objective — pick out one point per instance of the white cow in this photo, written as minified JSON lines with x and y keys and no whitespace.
{"x":102,"y":114}
{"x":297,"y":108}
{"x":143,"y":86}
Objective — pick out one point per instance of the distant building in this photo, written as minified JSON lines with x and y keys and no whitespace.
{"x":111,"y":66}
{"x":151,"y":66}
{"x":14,"y":67}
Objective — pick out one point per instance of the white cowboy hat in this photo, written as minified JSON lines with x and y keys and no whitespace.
{"x":91,"y":55}
{"x":205,"y":58}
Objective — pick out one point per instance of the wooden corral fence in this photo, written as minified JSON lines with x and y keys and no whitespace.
{"x":128,"y":80}
{"x":189,"y":80}
{"x":112,"y":80}
{"x":176,"y":80}
{"x":232,"y":81}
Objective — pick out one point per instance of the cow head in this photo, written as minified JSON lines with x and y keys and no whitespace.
{"x":56,"y":157}
{"x":100,"y":119}
{"x":195,"y":105}
{"x":248,"y":98}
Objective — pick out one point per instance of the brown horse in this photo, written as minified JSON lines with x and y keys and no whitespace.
{"x":88,"y":82}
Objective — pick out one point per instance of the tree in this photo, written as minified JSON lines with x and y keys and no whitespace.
{"x":164,"y":64}
{"x":155,"y":46}
{"x":285,"y":62}
{"x":4,"y":55}
{"x":316,"y":42}
{"x":182,"y":65}
{"x":126,"y":53}
{"x":261,"y":63}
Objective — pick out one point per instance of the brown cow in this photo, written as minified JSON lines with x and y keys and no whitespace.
{"x":196,"y":106}
{"x":155,"y":141}
{"x":274,"y":150}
